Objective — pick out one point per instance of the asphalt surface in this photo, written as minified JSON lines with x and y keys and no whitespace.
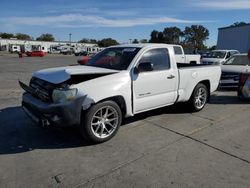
{"x":168,"y":147}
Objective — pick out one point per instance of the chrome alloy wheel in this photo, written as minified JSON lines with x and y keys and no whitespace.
{"x":200,"y":98}
{"x":104,"y":121}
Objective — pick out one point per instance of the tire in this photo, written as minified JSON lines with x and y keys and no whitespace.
{"x":101,"y":122}
{"x":198,"y":98}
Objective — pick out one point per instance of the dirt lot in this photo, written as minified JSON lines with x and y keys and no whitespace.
{"x":169,"y":147}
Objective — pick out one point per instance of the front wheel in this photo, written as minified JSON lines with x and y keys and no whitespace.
{"x":199,"y":97}
{"x":101,"y":122}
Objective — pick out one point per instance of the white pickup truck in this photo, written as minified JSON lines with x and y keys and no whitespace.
{"x":181,"y":57}
{"x":118,"y":82}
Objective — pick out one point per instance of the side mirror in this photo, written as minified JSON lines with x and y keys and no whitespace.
{"x":145,"y":67}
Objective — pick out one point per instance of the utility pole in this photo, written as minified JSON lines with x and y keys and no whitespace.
{"x":70,"y":39}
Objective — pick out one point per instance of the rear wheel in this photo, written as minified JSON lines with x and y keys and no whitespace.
{"x":199,"y":97}
{"x":101,"y":122}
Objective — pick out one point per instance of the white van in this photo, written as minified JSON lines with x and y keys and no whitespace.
{"x":15,"y":48}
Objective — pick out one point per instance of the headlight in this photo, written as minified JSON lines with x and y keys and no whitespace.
{"x":63,"y":95}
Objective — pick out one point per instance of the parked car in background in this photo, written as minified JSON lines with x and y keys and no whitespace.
{"x":232,"y":69}
{"x":66,"y":50}
{"x":83,"y":60}
{"x":217,"y":56}
{"x":181,"y":57}
{"x":81,"y":53}
{"x":244,"y":86}
{"x":203,"y":53}
{"x":36,"y":54}
{"x":15,"y":48}
{"x":118,"y":82}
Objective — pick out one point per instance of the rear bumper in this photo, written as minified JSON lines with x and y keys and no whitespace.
{"x":61,"y":115}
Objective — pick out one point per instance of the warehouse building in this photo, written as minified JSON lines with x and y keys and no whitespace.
{"x":235,"y":37}
{"x":13,"y":45}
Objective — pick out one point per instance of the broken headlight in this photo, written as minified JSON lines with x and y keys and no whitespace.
{"x":64,"y":95}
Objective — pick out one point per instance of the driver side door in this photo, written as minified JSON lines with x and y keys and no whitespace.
{"x":157,"y":87}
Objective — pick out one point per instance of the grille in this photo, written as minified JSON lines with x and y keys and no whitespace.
{"x":42,"y":89}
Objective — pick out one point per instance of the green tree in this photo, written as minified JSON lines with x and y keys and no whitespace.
{"x":94,"y":41}
{"x":160,"y":37}
{"x":143,"y":41}
{"x":46,"y":37}
{"x":154,"y":36}
{"x":86,"y":40}
{"x":195,"y":36}
{"x":172,"y":35}
{"x":157,"y":37}
{"x":135,"y":41}
{"x":6,"y":35}
{"x":236,"y":24}
{"x":23,"y":36}
{"x":212,"y":47}
{"x":107,"y":42}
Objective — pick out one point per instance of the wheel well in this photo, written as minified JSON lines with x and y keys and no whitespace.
{"x":207,"y":84}
{"x":120,"y":101}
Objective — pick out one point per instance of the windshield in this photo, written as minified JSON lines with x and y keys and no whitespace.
{"x":215,"y":54}
{"x":238,"y":60}
{"x":118,"y":58}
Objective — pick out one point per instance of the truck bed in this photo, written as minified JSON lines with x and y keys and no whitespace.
{"x":191,"y":75}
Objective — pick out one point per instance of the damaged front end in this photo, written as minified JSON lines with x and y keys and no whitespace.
{"x":48,"y":103}
{"x":50,"y":97}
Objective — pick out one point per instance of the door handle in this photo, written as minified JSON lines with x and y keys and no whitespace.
{"x":171,"y":76}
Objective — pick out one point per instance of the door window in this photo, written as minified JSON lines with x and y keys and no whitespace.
{"x":159,"y":58}
{"x":177,"y":50}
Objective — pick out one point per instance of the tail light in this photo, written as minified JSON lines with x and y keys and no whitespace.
{"x":243,"y":79}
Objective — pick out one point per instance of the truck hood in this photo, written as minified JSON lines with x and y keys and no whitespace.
{"x":235,"y":68}
{"x":61,"y":74}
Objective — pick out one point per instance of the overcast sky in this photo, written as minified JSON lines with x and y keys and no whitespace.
{"x":119,"y":19}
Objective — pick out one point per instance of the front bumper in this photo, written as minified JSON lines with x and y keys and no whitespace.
{"x":229,"y":83}
{"x":61,"y":115}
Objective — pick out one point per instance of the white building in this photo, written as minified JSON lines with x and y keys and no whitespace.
{"x":33,"y":45}
{"x":236,"y":38}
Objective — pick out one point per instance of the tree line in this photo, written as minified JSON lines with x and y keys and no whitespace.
{"x":191,"y":38}
{"x":49,"y":37}
{"x":23,"y":36}
{"x":101,"y":43}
